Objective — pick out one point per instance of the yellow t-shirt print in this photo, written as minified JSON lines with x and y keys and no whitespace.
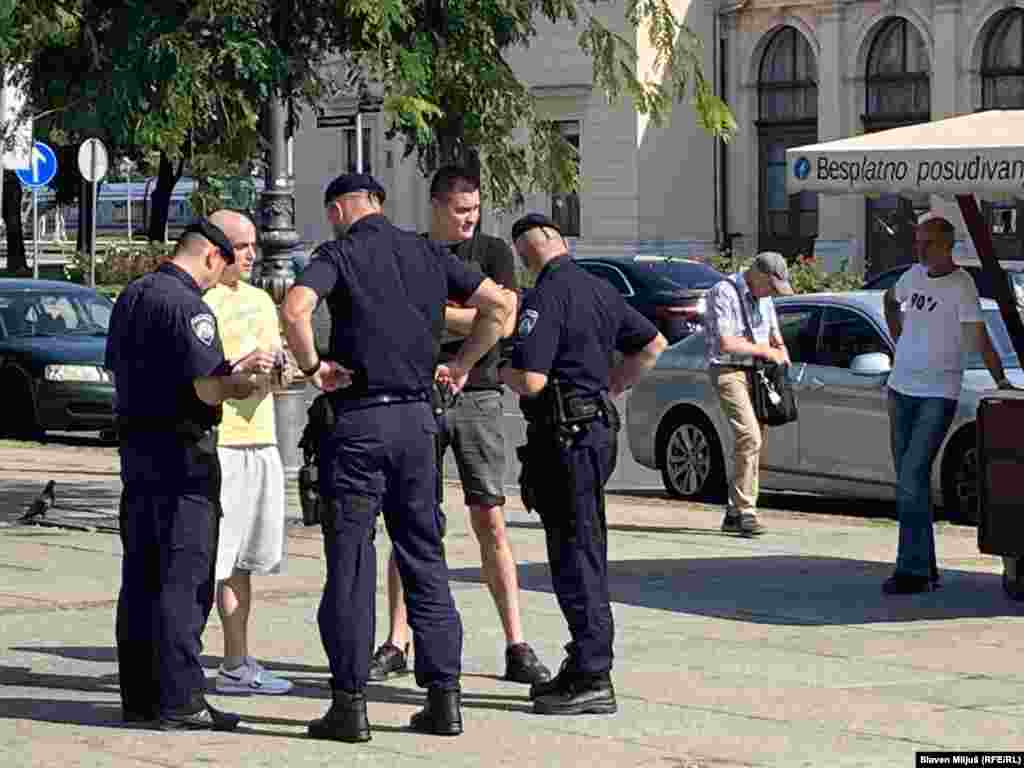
{"x":247,"y":320}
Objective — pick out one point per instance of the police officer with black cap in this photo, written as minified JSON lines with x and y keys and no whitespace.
{"x":561,"y":364}
{"x":386,"y":289}
{"x":170,"y":378}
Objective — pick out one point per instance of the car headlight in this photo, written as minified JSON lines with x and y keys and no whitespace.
{"x":87,"y":373}
{"x":702,"y":305}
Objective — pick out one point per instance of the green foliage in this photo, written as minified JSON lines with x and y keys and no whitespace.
{"x":459,"y":101}
{"x":119,"y":264}
{"x":805,"y":273}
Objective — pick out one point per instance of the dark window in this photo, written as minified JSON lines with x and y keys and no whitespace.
{"x":845,"y":334}
{"x":799,"y":329}
{"x":787,"y":86}
{"x":898,"y":92}
{"x":1002,"y":78}
{"x":565,"y":206}
{"x":898,"y":75}
{"x":611,"y":274}
{"x":788,"y":114}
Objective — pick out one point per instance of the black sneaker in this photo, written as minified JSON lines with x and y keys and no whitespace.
{"x":586,"y":695}
{"x":523,"y":666}
{"x":206,"y":719}
{"x":139,"y":715}
{"x":907,"y":584}
{"x":732,"y":523}
{"x":388,"y":660}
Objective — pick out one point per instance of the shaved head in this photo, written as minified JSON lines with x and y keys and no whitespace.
{"x":242,"y":234}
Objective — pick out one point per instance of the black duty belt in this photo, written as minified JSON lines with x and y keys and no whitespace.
{"x":344,"y":404}
{"x":187,"y":430}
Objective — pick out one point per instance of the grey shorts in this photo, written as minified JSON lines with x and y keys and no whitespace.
{"x":475,"y":432}
{"x":253,"y":502}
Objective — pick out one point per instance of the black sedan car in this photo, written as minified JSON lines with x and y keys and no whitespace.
{"x":53,"y":336}
{"x":668,"y":292}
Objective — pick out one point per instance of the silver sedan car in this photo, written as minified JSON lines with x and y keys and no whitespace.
{"x":842,"y":354}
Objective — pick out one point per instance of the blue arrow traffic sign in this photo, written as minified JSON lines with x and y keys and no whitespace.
{"x":42,"y":168}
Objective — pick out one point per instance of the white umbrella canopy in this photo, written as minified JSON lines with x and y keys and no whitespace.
{"x":980,"y":154}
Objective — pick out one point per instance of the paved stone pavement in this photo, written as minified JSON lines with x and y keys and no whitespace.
{"x":779,"y":651}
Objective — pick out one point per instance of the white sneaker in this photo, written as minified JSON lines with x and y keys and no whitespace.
{"x":251,"y":677}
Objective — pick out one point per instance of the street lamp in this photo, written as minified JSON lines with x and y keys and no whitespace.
{"x":279,"y":244}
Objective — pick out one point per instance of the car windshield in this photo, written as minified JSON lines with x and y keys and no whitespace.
{"x":1000,"y":340}
{"x":685,"y":274}
{"x":53,"y":313}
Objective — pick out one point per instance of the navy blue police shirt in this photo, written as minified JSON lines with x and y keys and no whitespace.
{"x":162,"y":337}
{"x":570,"y":323}
{"x":386,"y":288}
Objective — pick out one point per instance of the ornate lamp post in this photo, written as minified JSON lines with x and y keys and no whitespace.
{"x":279,"y":244}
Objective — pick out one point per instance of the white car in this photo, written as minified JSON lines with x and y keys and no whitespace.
{"x":842,"y":353}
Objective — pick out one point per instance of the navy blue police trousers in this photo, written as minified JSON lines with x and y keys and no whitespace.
{"x":382,"y":459}
{"x":170,"y":517}
{"x":570,"y":502}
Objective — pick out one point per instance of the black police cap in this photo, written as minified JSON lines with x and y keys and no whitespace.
{"x":532,"y":221}
{"x":213,"y":233}
{"x":352,"y":182}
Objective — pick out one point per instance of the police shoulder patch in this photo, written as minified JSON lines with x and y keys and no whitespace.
{"x":204,"y":327}
{"x":528,"y":321}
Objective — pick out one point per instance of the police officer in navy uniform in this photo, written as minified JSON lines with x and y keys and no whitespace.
{"x":386,"y":289}
{"x":561,"y":363}
{"x":170,"y":378}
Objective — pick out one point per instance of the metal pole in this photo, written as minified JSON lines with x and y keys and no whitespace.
{"x":129,"y":175}
{"x":35,"y":234}
{"x":359,"y":142}
{"x":92,"y":233}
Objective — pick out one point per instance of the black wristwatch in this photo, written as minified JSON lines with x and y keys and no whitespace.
{"x":308,"y":372}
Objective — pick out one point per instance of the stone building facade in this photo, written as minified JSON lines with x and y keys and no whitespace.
{"x":793,"y":72}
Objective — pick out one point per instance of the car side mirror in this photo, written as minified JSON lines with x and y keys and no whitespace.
{"x":871,"y":364}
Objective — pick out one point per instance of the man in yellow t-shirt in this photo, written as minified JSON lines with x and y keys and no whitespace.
{"x":252,"y":486}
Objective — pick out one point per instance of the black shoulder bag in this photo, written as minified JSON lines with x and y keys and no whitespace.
{"x":771,"y":391}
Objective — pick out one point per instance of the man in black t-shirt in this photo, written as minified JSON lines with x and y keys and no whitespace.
{"x":473,"y":429}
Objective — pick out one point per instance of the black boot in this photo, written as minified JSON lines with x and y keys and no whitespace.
{"x":206,"y":719}
{"x":584,"y":694}
{"x":556,"y":684}
{"x":345,"y":721}
{"x":442,"y":716}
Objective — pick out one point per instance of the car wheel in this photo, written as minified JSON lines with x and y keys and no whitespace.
{"x":690,"y":458}
{"x":960,"y":479}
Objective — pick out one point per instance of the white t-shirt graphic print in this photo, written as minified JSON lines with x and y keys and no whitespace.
{"x":931,"y":351}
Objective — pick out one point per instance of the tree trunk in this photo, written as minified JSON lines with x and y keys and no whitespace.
{"x":160,"y":199}
{"x":16,"y":259}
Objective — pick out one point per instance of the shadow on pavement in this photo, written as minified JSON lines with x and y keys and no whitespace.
{"x":108,"y":654}
{"x":809,"y":503}
{"x":784,"y":590}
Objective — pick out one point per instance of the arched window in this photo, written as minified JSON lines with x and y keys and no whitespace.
{"x":898,"y":75}
{"x":1002,"y":87}
{"x":898,"y":92}
{"x":1002,"y":68}
{"x":787,"y":90}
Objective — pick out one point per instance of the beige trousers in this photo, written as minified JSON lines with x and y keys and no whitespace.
{"x":734,"y":396}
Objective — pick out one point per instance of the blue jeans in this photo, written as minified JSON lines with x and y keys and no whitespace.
{"x":917,"y":427}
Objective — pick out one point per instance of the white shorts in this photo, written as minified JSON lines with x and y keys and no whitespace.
{"x":252,"y":498}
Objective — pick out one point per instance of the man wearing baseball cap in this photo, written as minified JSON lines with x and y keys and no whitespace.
{"x":731,"y":351}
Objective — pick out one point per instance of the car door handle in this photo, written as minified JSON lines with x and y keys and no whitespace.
{"x":816,"y":383}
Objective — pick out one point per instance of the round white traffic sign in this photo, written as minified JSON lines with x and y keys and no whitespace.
{"x":93,"y":161}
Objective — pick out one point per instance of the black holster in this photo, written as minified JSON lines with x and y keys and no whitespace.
{"x":319,"y":425}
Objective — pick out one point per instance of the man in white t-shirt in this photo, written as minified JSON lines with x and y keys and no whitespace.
{"x":935,"y":315}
